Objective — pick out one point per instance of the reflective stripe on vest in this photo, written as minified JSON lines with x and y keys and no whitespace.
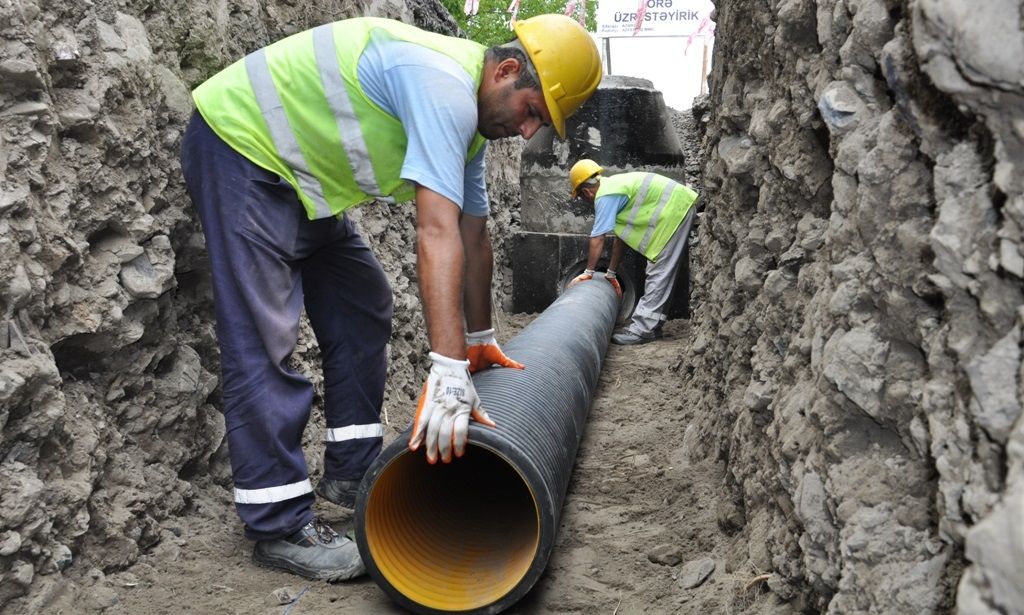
{"x":637,"y":201}
{"x":341,"y":106}
{"x":657,"y":205}
{"x":665,"y":195}
{"x":296,"y":108}
{"x":277,"y":123}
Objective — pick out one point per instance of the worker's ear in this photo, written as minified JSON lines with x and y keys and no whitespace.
{"x":508,"y":68}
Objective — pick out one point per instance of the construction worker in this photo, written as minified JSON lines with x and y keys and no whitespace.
{"x":651,"y":214}
{"x":284,"y":141}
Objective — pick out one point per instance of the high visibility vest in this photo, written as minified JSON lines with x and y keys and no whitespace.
{"x":657,"y":206}
{"x":296,"y":108}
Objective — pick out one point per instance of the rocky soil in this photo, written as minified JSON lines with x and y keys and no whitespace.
{"x":837,"y":428}
{"x":860,"y":286}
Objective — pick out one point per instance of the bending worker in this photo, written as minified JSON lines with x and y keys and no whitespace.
{"x":287,"y":139}
{"x":651,"y":214}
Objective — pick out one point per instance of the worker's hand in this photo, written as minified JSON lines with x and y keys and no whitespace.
{"x":588,"y":274}
{"x":482,"y":351}
{"x":448,"y":401}
{"x":614,"y":281}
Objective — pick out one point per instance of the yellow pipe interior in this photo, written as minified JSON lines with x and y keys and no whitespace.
{"x":452,"y":536}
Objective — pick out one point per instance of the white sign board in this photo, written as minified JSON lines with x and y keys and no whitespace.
{"x":657,"y":18}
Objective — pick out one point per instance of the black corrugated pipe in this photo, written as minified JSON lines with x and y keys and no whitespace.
{"x":474,"y":535}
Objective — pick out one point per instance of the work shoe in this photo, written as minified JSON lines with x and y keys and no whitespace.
{"x":341,"y":492}
{"x":316,"y":552}
{"x":628,"y":338}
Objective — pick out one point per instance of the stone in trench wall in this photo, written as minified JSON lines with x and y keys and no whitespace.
{"x":95,"y":374}
{"x":858,"y":346}
{"x":109,"y":407}
{"x":975,"y":410}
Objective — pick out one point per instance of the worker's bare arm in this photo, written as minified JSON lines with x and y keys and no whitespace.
{"x":476,"y":243}
{"x":440,"y":266}
{"x":618,"y":247}
{"x":595,"y":251}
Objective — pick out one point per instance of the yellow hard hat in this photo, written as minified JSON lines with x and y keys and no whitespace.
{"x":581,"y":172}
{"x":566,"y":60}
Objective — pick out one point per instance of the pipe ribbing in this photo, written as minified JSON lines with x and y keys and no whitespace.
{"x":474,"y":535}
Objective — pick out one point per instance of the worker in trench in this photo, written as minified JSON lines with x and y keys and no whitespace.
{"x":651,"y":214}
{"x":283,"y":142}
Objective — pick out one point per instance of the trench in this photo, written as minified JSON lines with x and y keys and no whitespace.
{"x":830,"y":424}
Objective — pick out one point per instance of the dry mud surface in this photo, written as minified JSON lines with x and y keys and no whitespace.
{"x":639,"y":517}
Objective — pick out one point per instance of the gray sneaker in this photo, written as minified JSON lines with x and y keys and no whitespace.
{"x":316,"y":552}
{"x":341,"y":492}
{"x":628,"y":338}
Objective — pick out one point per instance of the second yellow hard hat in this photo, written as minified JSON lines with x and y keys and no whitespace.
{"x":582,"y":171}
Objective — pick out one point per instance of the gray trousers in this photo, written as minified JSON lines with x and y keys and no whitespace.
{"x":649,"y":314}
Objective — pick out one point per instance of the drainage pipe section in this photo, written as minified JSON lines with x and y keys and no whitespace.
{"x":474,"y":535}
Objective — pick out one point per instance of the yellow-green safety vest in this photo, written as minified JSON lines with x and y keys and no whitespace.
{"x":296,"y":108}
{"x":657,"y":206}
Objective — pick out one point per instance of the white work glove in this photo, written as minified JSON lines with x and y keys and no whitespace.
{"x":588,"y":274}
{"x":447,"y":403}
{"x":483,"y":351}
{"x":614,"y":281}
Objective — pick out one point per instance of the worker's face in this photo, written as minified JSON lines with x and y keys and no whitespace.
{"x":504,"y":111}
{"x":587,"y":194}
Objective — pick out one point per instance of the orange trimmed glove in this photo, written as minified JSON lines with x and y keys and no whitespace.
{"x":482,"y":351}
{"x":588,"y":274}
{"x":614,"y":281}
{"x":447,"y":403}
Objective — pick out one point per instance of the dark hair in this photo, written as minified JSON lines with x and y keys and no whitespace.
{"x":528,"y":75}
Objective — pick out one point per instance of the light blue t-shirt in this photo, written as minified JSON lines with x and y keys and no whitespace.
{"x":606,"y":208}
{"x":435,"y":99}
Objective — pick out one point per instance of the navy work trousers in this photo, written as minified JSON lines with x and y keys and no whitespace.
{"x":268,"y":261}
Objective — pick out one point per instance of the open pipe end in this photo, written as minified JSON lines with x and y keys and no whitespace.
{"x":455,"y":537}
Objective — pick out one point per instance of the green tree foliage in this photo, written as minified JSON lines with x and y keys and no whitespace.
{"x":490,"y":26}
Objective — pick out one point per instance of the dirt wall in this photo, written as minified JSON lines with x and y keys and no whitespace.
{"x":108,"y":385}
{"x":855,"y":358}
{"x":857,"y":349}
